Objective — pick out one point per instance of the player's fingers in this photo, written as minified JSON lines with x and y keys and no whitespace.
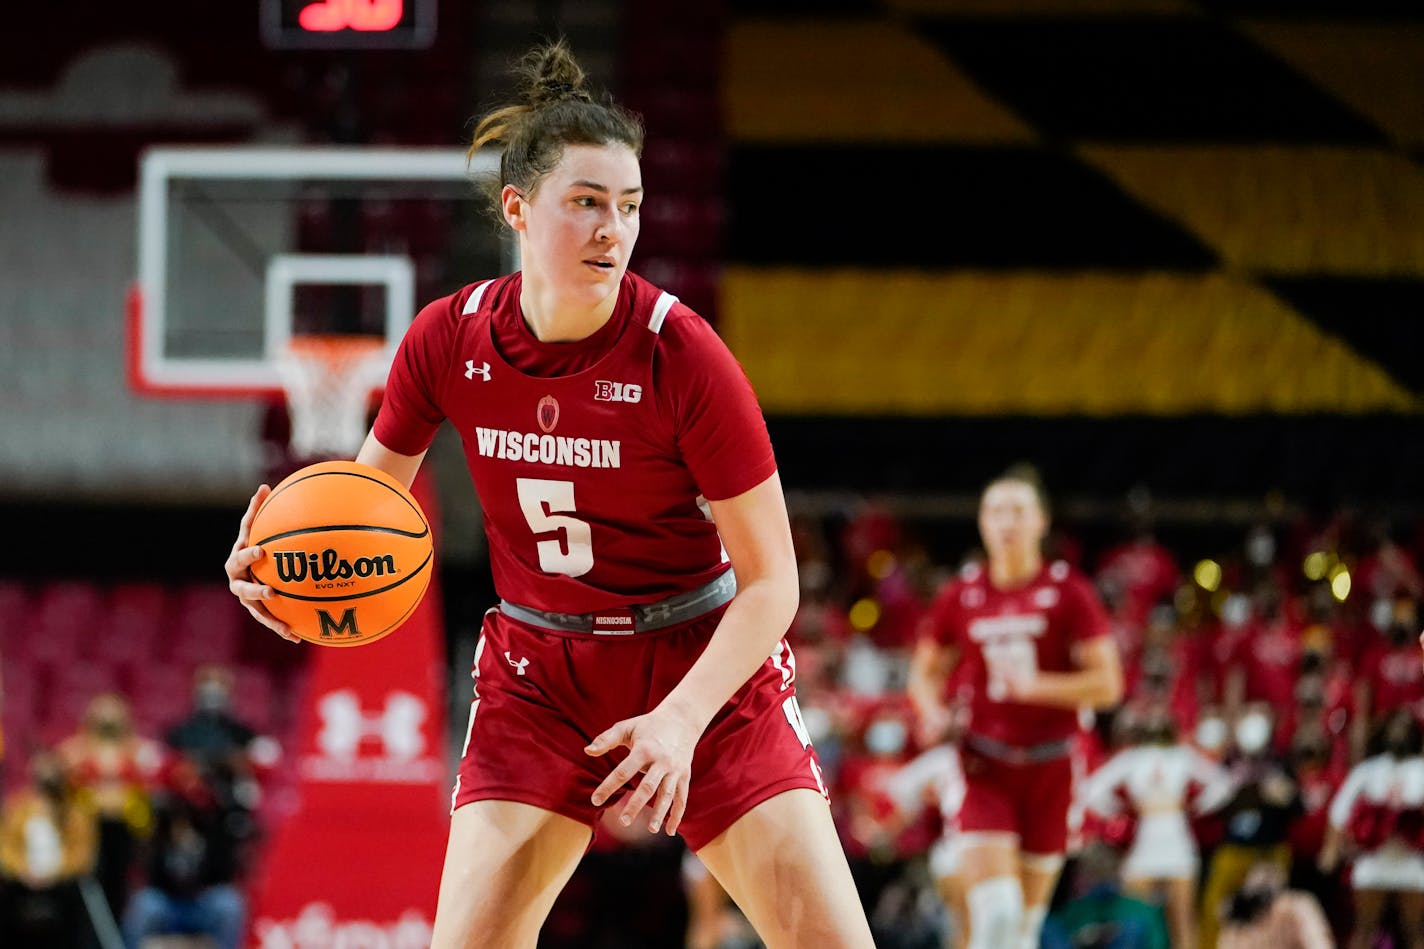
{"x":642,"y":794}
{"x":662,"y":804}
{"x":246,"y":524}
{"x":261,"y":614}
{"x":618,"y":777}
{"x":679,"y":805}
{"x":249,"y":592}
{"x":239,"y":565}
{"x":616,"y":735}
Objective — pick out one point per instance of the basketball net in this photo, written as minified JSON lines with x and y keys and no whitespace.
{"x":328,"y":380}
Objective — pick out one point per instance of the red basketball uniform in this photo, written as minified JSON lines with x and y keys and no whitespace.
{"x":594,"y":463}
{"x":1017,"y":764}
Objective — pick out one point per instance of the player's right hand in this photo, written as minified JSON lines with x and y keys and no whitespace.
{"x":933,"y":725}
{"x":240,"y":581}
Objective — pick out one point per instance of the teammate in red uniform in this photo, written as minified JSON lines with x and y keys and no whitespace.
{"x":624,"y":471}
{"x":1039,"y":644}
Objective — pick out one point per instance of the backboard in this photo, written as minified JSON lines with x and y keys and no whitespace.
{"x":242,"y":248}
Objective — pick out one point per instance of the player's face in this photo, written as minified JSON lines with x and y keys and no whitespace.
{"x":1011,"y":521}
{"x":582,"y":222}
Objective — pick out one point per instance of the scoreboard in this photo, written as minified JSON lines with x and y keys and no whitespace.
{"x":348,"y":24}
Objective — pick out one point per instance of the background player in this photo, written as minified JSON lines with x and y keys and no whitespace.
{"x":1039,"y":644}
{"x":607,"y":431}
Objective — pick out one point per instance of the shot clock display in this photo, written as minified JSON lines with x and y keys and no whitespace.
{"x":348,"y":24}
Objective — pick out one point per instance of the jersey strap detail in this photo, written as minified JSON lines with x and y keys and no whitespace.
{"x":472,"y":305}
{"x":660,"y":311}
{"x":639,"y":618}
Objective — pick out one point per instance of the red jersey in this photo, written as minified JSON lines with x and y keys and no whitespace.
{"x":1002,"y":633}
{"x":594,"y":484}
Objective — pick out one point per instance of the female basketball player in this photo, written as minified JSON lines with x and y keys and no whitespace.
{"x":1039,"y":646}
{"x":640,"y":546}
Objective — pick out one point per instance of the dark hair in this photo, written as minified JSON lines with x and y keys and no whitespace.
{"x":1024,"y":473}
{"x":556,"y":109}
{"x":1410,"y":738}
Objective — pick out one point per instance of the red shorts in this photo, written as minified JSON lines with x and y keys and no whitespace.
{"x":540,"y":697}
{"x":1030,"y":801}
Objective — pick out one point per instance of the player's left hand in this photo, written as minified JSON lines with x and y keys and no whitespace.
{"x":660,"y":745}
{"x":1020,"y":686}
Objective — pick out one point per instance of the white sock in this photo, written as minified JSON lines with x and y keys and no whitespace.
{"x":1032,"y":926}
{"x":995,"y":913}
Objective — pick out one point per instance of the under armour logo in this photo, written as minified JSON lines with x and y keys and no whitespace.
{"x":345,"y":723}
{"x":518,"y":666}
{"x":471,"y":369}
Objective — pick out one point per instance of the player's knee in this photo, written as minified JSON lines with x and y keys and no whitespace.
{"x":995,"y":913}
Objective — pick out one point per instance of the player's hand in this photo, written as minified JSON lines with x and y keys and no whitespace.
{"x":1019,"y":686}
{"x":933,"y":725}
{"x":660,"y":746}
{"x":239,"y":573}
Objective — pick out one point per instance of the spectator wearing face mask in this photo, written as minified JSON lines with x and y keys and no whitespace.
{"x":875,"y":832}
{"x":1256,"y":821}
{"x":1390,"y":674}
{"x":48,"y":841}
{"x":114,"y":770}
{"x":1378,"y":814}
{"x":1264,"y":914}
{"x":227,"y":753}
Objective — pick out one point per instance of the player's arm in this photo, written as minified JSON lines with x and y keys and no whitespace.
{"x":1096,"y":683}
{"x":930,"y":667}
{"x":756,"y":533}
{"x":401,"y":467}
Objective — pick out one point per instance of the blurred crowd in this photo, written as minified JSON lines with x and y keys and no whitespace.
{"x":116,"y":836}
{"x":1262,"y":782}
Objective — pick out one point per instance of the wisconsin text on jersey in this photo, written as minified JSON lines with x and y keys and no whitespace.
{"x":1012,"y":625}
{"x":548,"y":449}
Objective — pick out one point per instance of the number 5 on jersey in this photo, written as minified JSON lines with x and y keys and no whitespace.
{"x":546,"y":506}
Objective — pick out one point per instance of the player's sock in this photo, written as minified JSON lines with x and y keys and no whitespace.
{"x":995,"y":913}
{"x":1032,"y":926}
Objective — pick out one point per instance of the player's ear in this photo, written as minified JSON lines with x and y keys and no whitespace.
{"x":514,"y":205}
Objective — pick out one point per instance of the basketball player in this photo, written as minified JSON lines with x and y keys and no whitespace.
{"x":1037,"y":640}
{"x":640,"y":546}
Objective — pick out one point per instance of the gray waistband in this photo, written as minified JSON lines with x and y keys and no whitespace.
{"x":1018,"y":754}
{"x":641,"y":618}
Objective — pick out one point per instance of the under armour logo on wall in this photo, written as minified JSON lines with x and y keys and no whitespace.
{"x":345,"y":723}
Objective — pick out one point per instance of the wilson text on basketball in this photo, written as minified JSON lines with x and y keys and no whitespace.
{"x":295,"y":566}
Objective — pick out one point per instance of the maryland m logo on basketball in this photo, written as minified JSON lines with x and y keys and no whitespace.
{"x":346,"y":626}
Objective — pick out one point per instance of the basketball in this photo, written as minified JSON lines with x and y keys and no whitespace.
{"x":348,"y":553}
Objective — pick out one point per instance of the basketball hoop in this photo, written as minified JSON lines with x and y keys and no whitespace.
{"x":328,"y":379}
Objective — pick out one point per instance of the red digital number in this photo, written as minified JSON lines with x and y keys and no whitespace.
{"x":370,"y":16}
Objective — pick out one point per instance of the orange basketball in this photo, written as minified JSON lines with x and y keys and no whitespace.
{"x":348,"y":552}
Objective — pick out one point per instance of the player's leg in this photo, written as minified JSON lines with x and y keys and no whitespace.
{"x":989,"y":852}
{"x":1411,"y":915}
{"x":992,"y":891}
{"x":1043,"y":798}
{"x":1038,"y":875}
{"x":504,"y":865}
{"x":1369,"y":909}
{"x":783,"y":864}
{"x":944,"y":866}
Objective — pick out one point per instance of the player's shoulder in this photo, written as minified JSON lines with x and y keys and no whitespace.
{"x":967,"y":587}
{"x":1061,"y":573}
{"x":481,"y":297}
